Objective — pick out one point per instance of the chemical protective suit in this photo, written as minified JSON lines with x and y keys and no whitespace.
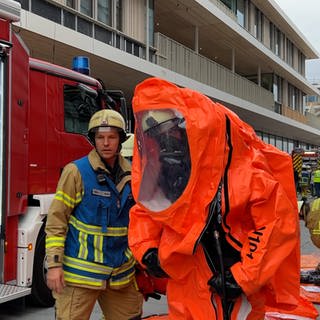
{"x":211,"y":214}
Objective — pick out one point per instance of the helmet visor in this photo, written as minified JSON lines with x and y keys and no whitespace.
{"x":165,"y":158}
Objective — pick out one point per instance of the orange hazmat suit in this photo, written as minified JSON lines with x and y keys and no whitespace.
{"x":222,"y":162}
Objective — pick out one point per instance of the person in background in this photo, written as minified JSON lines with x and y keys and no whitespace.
{"x":312,"y":187}
{"x":316,"y":180}
{"x":296,"y":180}
{"x":87,"y":230}
{"x":304,"y":181}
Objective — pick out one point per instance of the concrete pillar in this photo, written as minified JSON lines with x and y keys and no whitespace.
{"x":196,"y":39}
{"x":233,"y":60}
{"x":147,"y":30}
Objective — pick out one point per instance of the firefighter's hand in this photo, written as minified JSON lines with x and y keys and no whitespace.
{"x":151,"y":261}
{"x":233,"y":290}
{"x":55,"y":279}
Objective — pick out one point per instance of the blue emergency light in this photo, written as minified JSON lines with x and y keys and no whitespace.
{"x":81,"y":64}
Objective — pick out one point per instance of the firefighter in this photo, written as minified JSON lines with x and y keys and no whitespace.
{"x":316,"y":181}
{"x":305,"y":180}
{"x":87,"y":244}
{"x":210,"y":216}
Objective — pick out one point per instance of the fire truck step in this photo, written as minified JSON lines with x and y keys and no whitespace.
{"x":8,"y":292}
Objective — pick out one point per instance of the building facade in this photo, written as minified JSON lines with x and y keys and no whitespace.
{"x":246,"y":54}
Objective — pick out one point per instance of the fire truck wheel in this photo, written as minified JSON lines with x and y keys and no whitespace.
{"x":40,"y":294}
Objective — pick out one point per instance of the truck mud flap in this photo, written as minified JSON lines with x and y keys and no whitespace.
{"x":8,"y":292}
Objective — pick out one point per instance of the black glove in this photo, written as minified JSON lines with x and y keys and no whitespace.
{"x":233,"y":290}
{"x":151,"y":261}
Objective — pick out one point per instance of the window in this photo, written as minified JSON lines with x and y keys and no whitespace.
{"x":278,"y":42}
{"x":118,"y":42}
{"x":69,"y":20}
{"x":151,"y":22}
{"x":136,"y":50}
{"x":71,"y":4}
{"x":231,"y":4}
{"x":241,"y":5}
{"x":290,"y":146}
{"x":275,"y":40}
{"x":129,"y":45}
{"x":265,"y":138}
{"x":301,"y":63}
{"x":279,"y":143}
{"x":79,"y":106}
{"x":267,"y":81}
{"x":293,"y":97}
{"x":46,"y":10}
{"x":86,"y":7}
{"x":277,"y":88}
{"x":259,"y":134}
{"x":285,"y":146}
{"x":84,"y":26}
{"x":258,"y":25}
{"x":104,"y":11}
{"x":311,"y":99}
{"x":289,"y":57}
{"x":119,"y":25}
{"x":272,"y":139}
{"x":102,"y":34}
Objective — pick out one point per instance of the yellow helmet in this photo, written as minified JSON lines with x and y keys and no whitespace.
{"x":107,"y":118}
{"x":154,"y":118}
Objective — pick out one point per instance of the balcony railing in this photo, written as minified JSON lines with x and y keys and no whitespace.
{"x":313,"y":120}
{"x":181,"y":59}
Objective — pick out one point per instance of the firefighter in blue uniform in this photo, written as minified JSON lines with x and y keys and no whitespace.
{"x":87,"y":227}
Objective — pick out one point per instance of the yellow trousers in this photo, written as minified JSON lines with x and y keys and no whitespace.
{"x":76,"y":303}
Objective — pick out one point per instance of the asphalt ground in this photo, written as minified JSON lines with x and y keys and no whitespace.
{"x":14,"y":311}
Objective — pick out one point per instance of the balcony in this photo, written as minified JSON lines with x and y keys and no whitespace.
{"x":183,"y":60}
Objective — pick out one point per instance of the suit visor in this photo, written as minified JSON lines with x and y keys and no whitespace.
{"x":165,"y":158}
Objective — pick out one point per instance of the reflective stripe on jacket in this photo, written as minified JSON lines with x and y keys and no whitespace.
{"x":96,"y":243}
{"x":304,"y":180}
{"x":316,"y":177}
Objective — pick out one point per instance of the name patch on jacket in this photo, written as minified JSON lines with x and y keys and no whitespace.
{"x":101,"y":193}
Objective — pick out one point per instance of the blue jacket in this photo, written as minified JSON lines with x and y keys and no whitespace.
{"x":96,"y":245}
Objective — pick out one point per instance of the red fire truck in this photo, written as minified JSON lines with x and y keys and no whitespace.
{"x":307,"y":158}
{"x":44,"y":113}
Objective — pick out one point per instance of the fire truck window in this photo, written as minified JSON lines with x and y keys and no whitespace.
{"x":79,"y":105}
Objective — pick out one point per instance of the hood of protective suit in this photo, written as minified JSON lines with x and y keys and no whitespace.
{"x":205,"y":137}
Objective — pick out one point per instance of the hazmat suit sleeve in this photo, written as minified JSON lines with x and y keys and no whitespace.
{"x":144,"y":233}
{"x":272,"y":238}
